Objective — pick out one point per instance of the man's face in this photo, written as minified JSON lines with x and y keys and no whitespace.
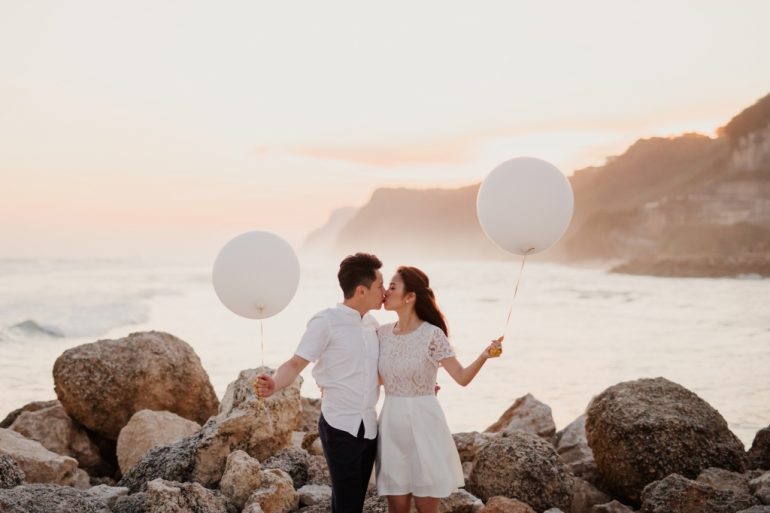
{"x":375,"y":295}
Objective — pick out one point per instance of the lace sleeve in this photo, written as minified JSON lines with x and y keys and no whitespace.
{"x":439,"y":347}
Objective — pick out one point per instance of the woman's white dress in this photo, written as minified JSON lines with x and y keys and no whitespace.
{"x":416,"y":452}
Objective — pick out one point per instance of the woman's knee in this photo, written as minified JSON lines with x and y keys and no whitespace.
{"x":427,"y":504}
{"x":399,"y":503}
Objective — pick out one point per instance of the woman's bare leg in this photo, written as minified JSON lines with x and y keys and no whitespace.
{"x":427,"y":504}
{"x":399,"y":503}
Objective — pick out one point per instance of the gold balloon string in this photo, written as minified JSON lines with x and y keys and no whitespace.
{"x":516,"y":288}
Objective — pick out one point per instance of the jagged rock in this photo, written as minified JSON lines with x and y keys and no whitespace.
{"x":242,"y":424}
{"x":171,"y":497}
{"x":725,"y":480}
{"x":59,"y":433}
{"x":48,"y":498}
{"x":611,"y":507}
{"x":585,"y":496}
{"x":521,"y":466}
{"x":759,"y":454}
{"x":529,"y":415}
{"x":677,"y":494}
{"x":277,"y":494}
{"x":642,"y":431}
{"x":469,"y":443}
{"x":102,"y":384}
{"x":39,"y":464}
{"x":11,"y":473}
{"x":147,"y":429}
{"x":310,"y":411}
{"x":243,"y":475}
{"x":33,"y":406}
{"x":108,"y":494}
{"x":572,"y":446}
{"x":500,"y":504}
{"x":760,"y":487}
{"x":315,"y":495}
{"x":294,"y":462}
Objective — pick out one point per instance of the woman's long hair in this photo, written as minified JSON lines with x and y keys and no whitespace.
{"x":425,"y":303}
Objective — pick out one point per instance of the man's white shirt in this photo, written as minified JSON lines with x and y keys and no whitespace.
{"x":345,"y":348}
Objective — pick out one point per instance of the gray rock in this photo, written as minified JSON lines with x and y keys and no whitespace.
{"x":529,"y":415}
{"x":136,"y":503}
{"x":47,"y":498}
{"x":173,"y":462}
{"x":585,"y":496}
{"x":11,"y":473}
{"x":611,"y":507}
{"x":522,"y":466}
{"x":315,"y":495}
{"x":725,"y":480}
{"x":171,"y":497}
{"x":102,"y":384}
{"x":760,"y":487}
{"x":642,"y":431}
{"x":148,"y":429}
{"x":677,"y":494}
{"x":756,"y":509}
{"x":572,"y":446}
{"x":460,"y":501}
{"x":759,"y":454}
{"x":468,"y":444}
{"x":295,"y":462}
{"x":108,"y":494}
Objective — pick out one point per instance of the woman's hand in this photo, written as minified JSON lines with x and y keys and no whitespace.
{"x":495,"y":349}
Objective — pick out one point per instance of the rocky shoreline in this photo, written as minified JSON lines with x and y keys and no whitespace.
{"x":137,"y":429}
{"x":698,"y":266}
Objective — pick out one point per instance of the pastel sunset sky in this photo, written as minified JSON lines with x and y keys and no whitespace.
{"x":163,"y":129}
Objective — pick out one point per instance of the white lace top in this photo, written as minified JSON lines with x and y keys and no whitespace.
{"x":409,"y":363}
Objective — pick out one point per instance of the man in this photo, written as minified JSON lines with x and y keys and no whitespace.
{"x":343,"y":343}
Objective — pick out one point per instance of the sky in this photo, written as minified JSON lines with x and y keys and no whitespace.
{"x":150,"y":129}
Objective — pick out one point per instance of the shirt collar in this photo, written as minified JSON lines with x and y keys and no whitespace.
{"x":345,"y":309}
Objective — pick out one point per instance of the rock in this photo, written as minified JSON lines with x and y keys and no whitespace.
{"x":48,"y":498}
{"x":527,"y":414}
{"x":721,"y":479}
{"x":585,"y":496}
{"x":553,"y":510}
{"x":102,"y":384}
{"x":11,"y":473}
{"x":108,"y":494}
{"x":611,"y":507}
{"x":315,"y":495}
{"x":760,"y":487}
{"x":242,"y":424}
{"x":147,"y":429}
{"x":318,"y":471}
{"x":310,"y":412}
{"x":254,"y":507}
{"x":277,"y":494}
{"x":521,"y":466}
{"x":59,"y":433}
{"x":136,"y":503}
{"x":469,"y":443}
{"x":33,"y":406}
{"x":505,"y":505}
{"x":642,"y":431}
{"x":572,"y":446}
{"x":375,"y":504}
{"x":756,"y":509}
{"x":759,"y":454}
{"x":38,"y":463}
{"x":294,"y":462}
{"x":677,"y":494}
{"x":243,"y":475}
{"x":171,"y":497}
{"x":460,"y":501}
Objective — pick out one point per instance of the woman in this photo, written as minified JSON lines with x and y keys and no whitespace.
{"x":416,"y":455}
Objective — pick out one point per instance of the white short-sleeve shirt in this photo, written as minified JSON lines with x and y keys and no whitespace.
{"x":345,"y":350}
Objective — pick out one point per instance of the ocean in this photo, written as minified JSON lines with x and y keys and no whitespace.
{"x":573,"y":331}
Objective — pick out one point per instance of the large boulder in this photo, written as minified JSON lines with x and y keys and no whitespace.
{"x":572,"y":446}
{"x":39,"y":464}
{"x":677,"y":494}
{"x":642,"y":431}
{"x":102,"y":384}
{"x":260,"y":428}
{"x":526,"y":414}
{"x":11,"y":473}
{"x":59,"y":433}
{"x":47,"y":498}
{"x":759,"y":454}
{"x":148,"y":429}
{"x":521,"y":466}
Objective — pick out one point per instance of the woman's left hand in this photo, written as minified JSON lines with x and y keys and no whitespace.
{"x":495,"y":349}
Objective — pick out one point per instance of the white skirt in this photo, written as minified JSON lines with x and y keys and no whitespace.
{"x":415,"y":451}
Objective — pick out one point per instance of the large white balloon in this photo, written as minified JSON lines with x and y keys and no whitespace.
{"x":525,"y":205}
{"x":256,"y":274}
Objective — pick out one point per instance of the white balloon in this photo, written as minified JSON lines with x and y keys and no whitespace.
{"x":256,"y":274}
{"x":525,"y":205}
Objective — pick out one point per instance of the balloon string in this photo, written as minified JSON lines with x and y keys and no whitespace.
{"x":260,"y":400}
{"x":516,"y":288}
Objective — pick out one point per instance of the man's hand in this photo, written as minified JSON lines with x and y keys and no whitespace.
{"x":264,"y":386}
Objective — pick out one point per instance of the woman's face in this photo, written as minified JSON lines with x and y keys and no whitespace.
{"x":394,"y":296}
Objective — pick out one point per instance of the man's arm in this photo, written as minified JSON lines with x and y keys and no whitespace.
{"x":267,"y":385}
